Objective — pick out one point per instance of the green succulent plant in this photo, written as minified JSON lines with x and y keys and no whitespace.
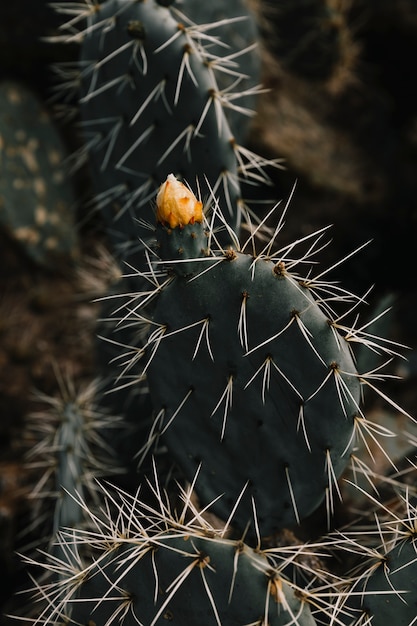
{"x":239,"y":355}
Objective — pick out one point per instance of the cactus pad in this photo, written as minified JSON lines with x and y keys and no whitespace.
{"x":250,"y":379}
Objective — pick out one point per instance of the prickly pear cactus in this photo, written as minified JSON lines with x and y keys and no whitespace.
{"x":154,"y":567}
{"x":203,"y":580}
{"x":390,"y":590}
{"x":237,"y":33}
{"x":151,"y":105}
{"x":243,"y":351}
{"x":249,"y":375}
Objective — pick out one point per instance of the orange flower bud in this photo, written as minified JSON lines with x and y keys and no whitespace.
{"x":176,"y":205}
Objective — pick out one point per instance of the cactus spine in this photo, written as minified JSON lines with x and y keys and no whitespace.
{"x":69,"y":450}
{"x":382,"y":587}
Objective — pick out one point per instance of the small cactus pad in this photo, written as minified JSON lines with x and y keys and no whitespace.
{"x":386,"y":592}
{"x":188,"y":580}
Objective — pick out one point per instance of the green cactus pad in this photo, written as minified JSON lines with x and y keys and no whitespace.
{"x":151,"y":105}
{"x":237,"y":32}
{"x":387,"y":592}
{"x":189,"y":580}
{"x":70,"y":451}
{"x":150,"y":567}
{"x":249,"y":379}
{"x":248,"y":374}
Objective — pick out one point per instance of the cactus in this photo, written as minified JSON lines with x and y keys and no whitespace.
{"x":244,"y":355}
{"x":250,"y":373}
{"x":148,"y":565}
{"x":382,"y":587}
{"x":387,"y":591}
{"x":68,"y":449}
{"x":151,"y":104}
{"x":181,"y":91}
{"x":236,"y":29}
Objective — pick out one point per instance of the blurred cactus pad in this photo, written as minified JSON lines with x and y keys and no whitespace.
{"x":37,"y":201}
{"x":162,"y":94}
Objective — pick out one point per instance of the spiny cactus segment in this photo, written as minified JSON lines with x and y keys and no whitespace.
{"x":244,"y":352}
{"x":148,"y":565}
{"x":151,"y":104}
{"x":250,"y":371}
{"x":387,"y":591}
{"x":69,"y":443}
{"x":237,"y":34}
{"x":382,"y":586}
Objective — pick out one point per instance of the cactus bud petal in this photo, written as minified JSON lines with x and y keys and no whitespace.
{"x":177,"y":205}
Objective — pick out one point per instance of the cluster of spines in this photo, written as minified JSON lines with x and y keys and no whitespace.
{"x":144,"y":561}
{"x":285,"y":264}
{"x":380,"y":585}
{"x":150,"y":559}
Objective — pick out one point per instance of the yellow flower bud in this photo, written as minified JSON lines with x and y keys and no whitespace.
{"x":176,"y":205}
